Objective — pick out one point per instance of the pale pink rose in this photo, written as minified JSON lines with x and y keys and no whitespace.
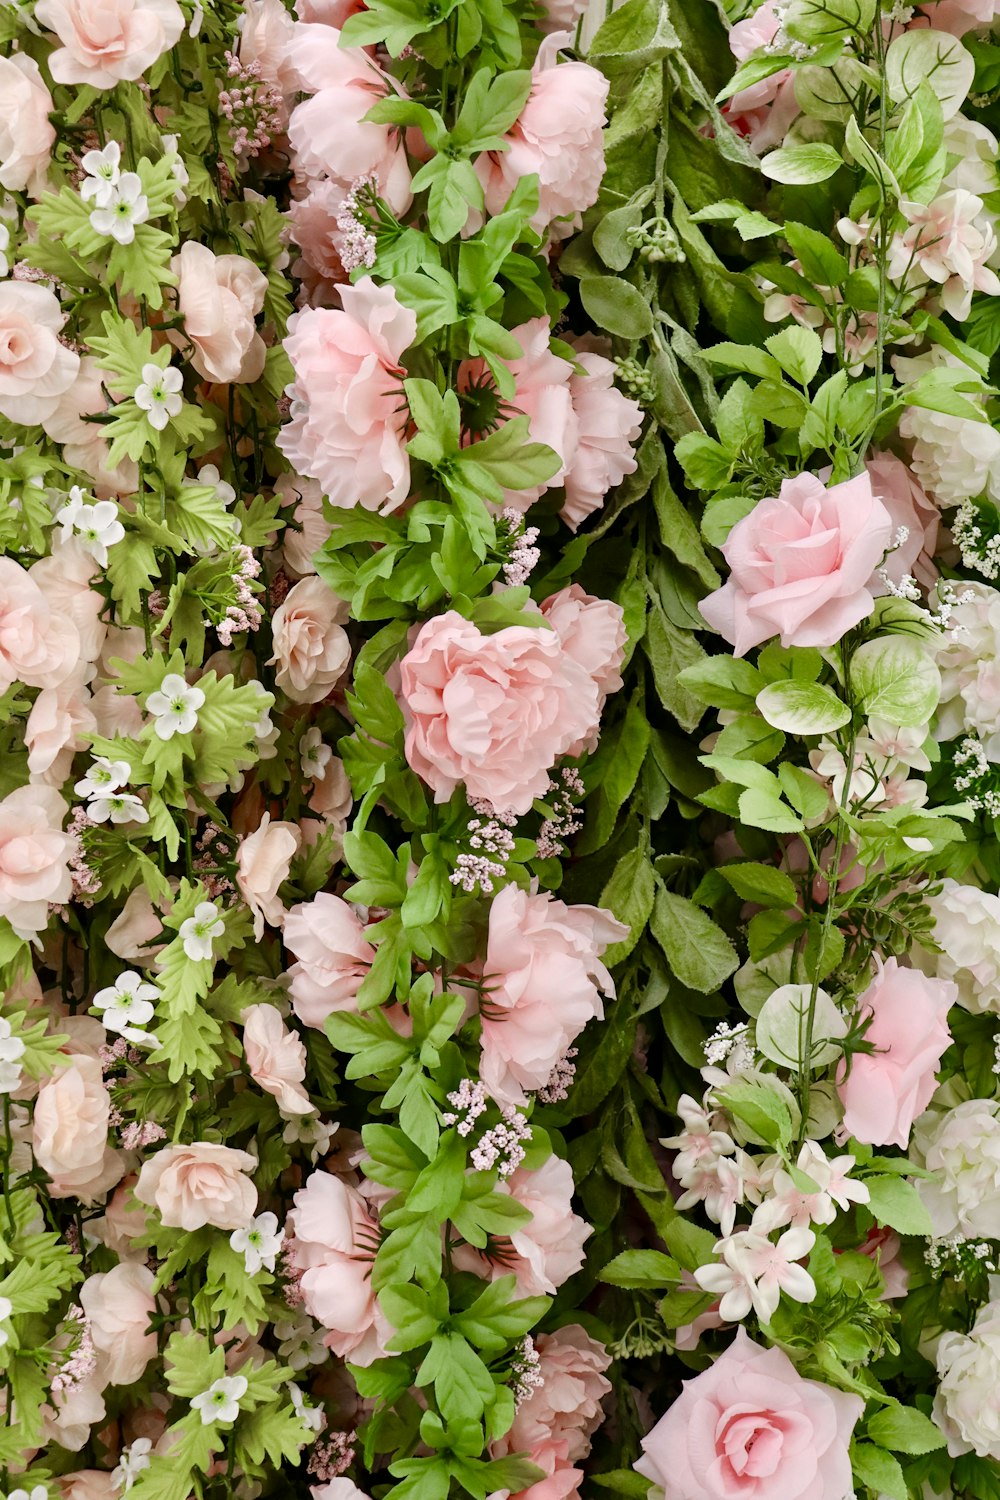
{"x":39,"y":645}
{"x":87,"y":1484}
{"x":764,"y":111}
{"x":565,"y":1407}
{"x":561,"y":15}
{"x":26,"y":133}
{"x":334,"y":1239}
{"x":960,"y":16}
{"x":543,"y":980}
{"x":559,"y":136}
{"x":119,"y":1304}
{"x":72,"y":1412}
{"x":948,"y":242}
{"x":219,"y":296}
{"x":562,"y":1481}
{"x":198,"y":1184}
{"x":117,"y":713}
{"x":34,"y":857}
{"x":751,"y":1428}
{"x":262,"y":865}
{"x":887,"y":1089}
{"x":83,"y":444}
{"x":61,"y":718}
{"x":542,"y":394}
{"x":607,"y":424}
{"x":548,"y":1250}
{"x":122,"y":1223}
{"x":591,"y":631}
{"x":346,"y":427}
{"x":276,"y":1058}
{"x":316,"y":230}
{"x":801,"y":565}
{"x":311,"y":649}
{"x":265,"y":34}
{"x":65,"y":579}
{"x":135,"y":934}
{"x":327,"y":938}
{"x":908,"y":506}
{"x":328,"y":132}
{"x":69,"y":1131}
{"x":35,"y":369}
{"x":331,"y":797}
{"x":494,"y":712}
{"x":106,"y":41}
{"x":309,"y":528}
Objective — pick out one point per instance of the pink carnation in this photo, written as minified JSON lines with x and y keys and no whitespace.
{"x":887,"y":1089}
{"x":333,"y":956}
{"x":565,"y":1408}
{"x":543,"y":980}
{"x":591,"y":631}
{"x":492,"y":711}
{"x":106,"y":41}
{"x":346,"y":428}
{"x":334,"y":1244}
{"x":801,"y":565}
{"x":607,"y":424}
{"x":751,"y":1428}
{"x":34,"y":857}
{"x":303,"y":539}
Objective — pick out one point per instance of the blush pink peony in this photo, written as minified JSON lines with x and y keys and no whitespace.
{"x":347,"y":429}
{"x":887,"y":1089}
{"x":333,"y":956}
{"x":607,"y":425}
{"x":591,"y":631}
{"x":276,"y":1058}
{"x":119,"y":1304}
{"x":543,"y":980}
{"x":311,"y":648}
{"x":69,"y":1131}
{"x":26,"y":132}
{"x":262,"y":865}
{"x":310,"y":528}
{"x":34,"y":857}
{"x":547,"y":1251}
{"x":565,"y":1407}
{"x":35,"y":368}
{"x":751,"y":1428}
{"x":218,"y":297}
{"x":107,"y":41}
{"x":492,"y":712}
{"x":333,"y":1245}
{"x":801,"y":565}
{"x":198,"y":1184}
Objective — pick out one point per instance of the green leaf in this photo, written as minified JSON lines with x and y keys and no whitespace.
{"x":802,"y":707}
{"x":820,"y":261}
{"x":896,"y":1203}
{"x":192,"y":1364}
{"x":616,"y":306}
{"x":497,"y":1319}
{"x":798,"y":352}
{"x":723,"y":682}
{"x":629,"y":895}
{"x":624,"y":1482}
{"x":696,"y":948}
{"x":878,"y":1470}
{"x":896,"y":679}
{"x":762,"y":884}
{"x":801,"y":165}
{"x":936,"y":57}
{"x":642,"y":1268}
{"x":762,"y":1110}
{"x":903,"y":1429}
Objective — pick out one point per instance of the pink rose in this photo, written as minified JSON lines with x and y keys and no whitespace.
{"x":960,"y":16}
{"x":565,"y":1407}
{"x":887,"y":1089}
{"x":69,"y":1131}
{"x":561,"y":15}
{"x":262,"y":865}
{"x":331,"y":797}
{"x":219,"y":296}
{"x":311,"y":650}
{"x":607,"y":424}
{"x":202,"y":1183}
{"x":801,"y":565}
{"x":34,"y":857}
{"x":276,"y":1058}
{"x":751,"y":1428}
{"x":333,"y":956}
{"x":35,"y":369}
{"x":340,"y":1488}
{"x":87,"y":1484}
{"x":591,"y":631}
{"x":39,"y":645}
{"x":543,"y":979}
{"x":119,"y":1304}
{"x":494,"y":712}
{"x":883,"y":1247}
{"x":548,"y":1250}
{"x":61,"y":718}
{"x":265,"y":35}
{"x":346,"y":428}
{"x":82,"y":442}
{"x":315,"y":228}
{"x":329,"y":134}
{"x":26,"y":133}
{"x":328,"y":12}
{"x":64,"y":578}
{"x":135,"y":933}
{"x":304,"y":537}
{"x":106,"y":41}
{"x":334,"y":1244}
{"x":909,"y":507}
{"x":559,"y":136}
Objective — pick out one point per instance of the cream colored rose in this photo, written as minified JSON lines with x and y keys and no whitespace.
{"x":219,"y":296}
{"x":26,"y":133}
{"x":35,"y":369}
{"x":276,"y":1058}
{"x":261,"y":866}
{"x":191,"y":1186}
{"x":69,"y":1136}
{"x":311,"y":651}
{"x":119,"y":1304}
{"x":34,"y":857}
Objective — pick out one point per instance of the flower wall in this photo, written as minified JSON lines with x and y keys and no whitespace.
{"x":499,"y":925}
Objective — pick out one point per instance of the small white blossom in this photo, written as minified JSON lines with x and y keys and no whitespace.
{"x":124,"y":209}
{"x":11,"y":1051}
{"x":4,"y":247}
{"x":126,"y":1005}
{"x":158,"y":395}
{"x":104,"y":776}
{"x":313,"y":1417}
{"x":754,"y":1272}
{"x":117,"y":807}
{"x":134,"y":1458}
{"x":37,"y":1492}
{"x":197,"y":932}
{"x":6,"y":1308}
{"x":175,"y":706}
{"x":259,"y":1245}
{"x":221,"y":1402}
{"x":103,"y":169}
{"x":313,"y":1131}
{"x":302,"y":1343}
{"x":96,"y":526}
{"x":314,"y":755}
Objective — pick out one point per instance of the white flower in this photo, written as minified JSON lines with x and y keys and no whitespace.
{"x":221,"y":1402}
{"x":259,"y":1245}
{"x":96,"y":526}
{"x":755,"y":1272}
{"x":104,"y":776}
{"x":126,"y":1005}
{"x":962,"y":1149}
{"x":124,"y":209}
{"x":953,"y":458}
{"x":37,"y":1492}
{"x":967,"y":930}
{"x":966,"y":1408}
{"x":4,"y":247}
{"x":11,"y":1051}
{"x":313,"y":1417}
{"x":117,"y":807}
{"x":175,"y":706}
{"x":158,"y":394}
{"x":788,"y":1203}
{"x":6,"y":1308}
{"x":103,"y":173}
{"x":313,"y":1131}
{"x":134,"y":1458}
{"x":197,"y":932}
{"x":209,"y":476}
{"x":302,"y":1343}
{"x":314,"y":755}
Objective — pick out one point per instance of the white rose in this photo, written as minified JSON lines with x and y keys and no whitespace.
{"x":952,"y":457}
{"x":962,"y":1148}
{"x":966,"y":1407}
{"x":967,"y":929}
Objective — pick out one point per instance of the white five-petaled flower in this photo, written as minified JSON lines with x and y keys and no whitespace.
{"x":800,"y":1205}
{"x":126,"y":1005}
{"x":125,"y":207}
{"x":221,"y":1402}
{"x":175,"y":706}
{"x":117,"y":807}
{"x":314,"y":755}
{"x":158,"y":394}
{"x":103,"y":169}
{"x":37,"y":1492}
{"x":11,"y":1052}
{"x":259,"y":1245}
{"x":96,"y":526}
{"x":6,"y":1308}
{"x":104,"y":776}
{"x":755,"y":1272}
{"x":134,"y":1458}
{"x":198,"y":932}
{"x":313,"y":1417}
